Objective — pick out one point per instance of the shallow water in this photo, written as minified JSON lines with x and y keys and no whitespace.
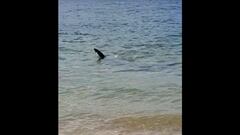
{"x":140,"y":76}
{"x":127,"y":125}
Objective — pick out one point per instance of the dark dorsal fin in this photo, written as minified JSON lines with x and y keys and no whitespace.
{"x":100,"y":54}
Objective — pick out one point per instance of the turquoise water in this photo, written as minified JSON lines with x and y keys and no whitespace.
{"x":142,"y":72}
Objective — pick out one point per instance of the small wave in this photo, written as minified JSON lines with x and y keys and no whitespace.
{"x":173,"y":64}
{"x":83,"y":34}
{"x":156,"y":20}
{"x":132,"y":70}
{"x":63,"y":33}
{"x":133,"y":55}
{"x":173,"y":35}
{"x":167,"y":20}
{"x":64,"y":49}
{"x":117,"y":93}
{"x":73,"y":41}
{"x":78,"y":38}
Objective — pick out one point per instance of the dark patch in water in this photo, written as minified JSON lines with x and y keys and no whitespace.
{"x":61,"y":58}
{"x":83,"y":34}
{"x":173,"y":64}
{"x":132,"y":70}
{"x":63,"y":33}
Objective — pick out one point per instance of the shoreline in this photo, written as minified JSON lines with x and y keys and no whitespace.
{"x":167,"y":124}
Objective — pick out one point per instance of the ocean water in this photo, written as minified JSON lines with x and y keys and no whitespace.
{"x":137,"y":88}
